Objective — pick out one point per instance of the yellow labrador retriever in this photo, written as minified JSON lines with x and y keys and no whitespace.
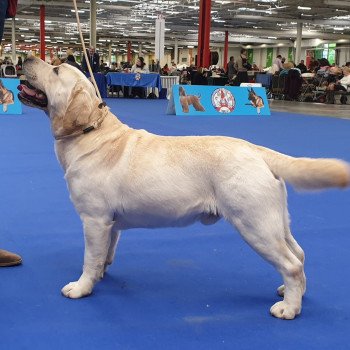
{"x":121,"y":178}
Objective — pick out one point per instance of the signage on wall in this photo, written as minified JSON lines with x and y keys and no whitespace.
{"x":218,"y":100}
{"x":9,"y":102}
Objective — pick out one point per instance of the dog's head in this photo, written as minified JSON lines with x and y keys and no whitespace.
{"x":251,"y":94}
{"x":63,"y":92}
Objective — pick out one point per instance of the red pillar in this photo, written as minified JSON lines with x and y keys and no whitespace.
{"x":203,"y":52}
{"x":129,"y":56}
{"x":42,"y":32}
{"x":225,"y":49}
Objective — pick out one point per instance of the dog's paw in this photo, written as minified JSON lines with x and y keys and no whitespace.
{"x":75,"y":290}
{"x":284,"y":311}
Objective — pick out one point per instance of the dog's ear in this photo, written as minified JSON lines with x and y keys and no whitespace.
{"x":80,"y":105}
{"x":182,"y":91}
{"x":79,"y":111}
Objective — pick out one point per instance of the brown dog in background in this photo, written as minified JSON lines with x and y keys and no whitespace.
{"x":187,"y":100}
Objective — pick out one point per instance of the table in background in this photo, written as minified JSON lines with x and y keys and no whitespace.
{"x":101,"y":83}
{"x":135,"y":79}
{"x":217,"y":81}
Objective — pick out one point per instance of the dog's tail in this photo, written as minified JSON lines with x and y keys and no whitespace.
{"x":307,"y":173}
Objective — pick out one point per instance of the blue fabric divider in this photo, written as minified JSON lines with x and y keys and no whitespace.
{"x":134,"y":79}
{"x":202,"y":100}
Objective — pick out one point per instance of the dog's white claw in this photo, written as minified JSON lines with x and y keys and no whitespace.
{"x":280,"y":290}
{"x":74,"y":290}
{"x":284,"y":311}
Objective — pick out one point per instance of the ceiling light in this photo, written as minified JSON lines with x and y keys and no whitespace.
{"x":304,"y":8}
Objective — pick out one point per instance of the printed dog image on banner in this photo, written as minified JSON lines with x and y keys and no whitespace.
{"x":225,"y":101}
{"x":188,"y":100}
{"x":6,"y":97}
{"x":9,"y":103}
{"x":255,"y":100}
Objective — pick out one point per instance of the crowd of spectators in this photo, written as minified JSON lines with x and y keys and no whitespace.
{"x":318,"y":73}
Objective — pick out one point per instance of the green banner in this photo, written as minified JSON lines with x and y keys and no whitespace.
{"x":290,"y":55}
{"x":269,"y":57}
{"x":250,"y":55}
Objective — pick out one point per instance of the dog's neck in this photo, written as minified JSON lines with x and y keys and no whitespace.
{"x":93,"y":125}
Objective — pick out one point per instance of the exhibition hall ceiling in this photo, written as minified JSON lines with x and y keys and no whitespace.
{"x":248,"y":22}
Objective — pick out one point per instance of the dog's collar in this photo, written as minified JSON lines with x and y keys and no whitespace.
{"x":95,"y":125}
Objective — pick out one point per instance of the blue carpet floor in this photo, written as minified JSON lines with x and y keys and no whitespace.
{"x":193,"y":288}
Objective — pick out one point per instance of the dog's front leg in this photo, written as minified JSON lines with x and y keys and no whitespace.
{"x":115,"y":236}
{"x":97,"y":241}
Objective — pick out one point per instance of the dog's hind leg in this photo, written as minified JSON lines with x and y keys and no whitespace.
{"x":258,"y":214}
{"x":97,"y":242}
{"x":115,"y":236}
{"x":291,"y":242}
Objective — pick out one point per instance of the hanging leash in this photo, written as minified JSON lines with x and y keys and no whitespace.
{"x":102,"y":104}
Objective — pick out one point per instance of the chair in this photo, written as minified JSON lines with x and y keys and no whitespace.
{"x":278,"y":85}
{"x":8,"y":71}
{"x":293,"y":84}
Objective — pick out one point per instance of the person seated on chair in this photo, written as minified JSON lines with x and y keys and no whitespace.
{"x":139,"y":67}
{"x":302,"y":67}
{"x":341,"y":85}
{"x":287,"y":66}
{"x":165,"y":70}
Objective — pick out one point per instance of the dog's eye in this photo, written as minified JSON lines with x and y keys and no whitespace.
{"x":56,"y":70}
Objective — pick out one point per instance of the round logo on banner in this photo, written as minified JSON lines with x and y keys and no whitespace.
{"x":137,"y":76}
{"x":223,"y":100}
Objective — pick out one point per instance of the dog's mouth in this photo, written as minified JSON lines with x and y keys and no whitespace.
{"x":31,"y":96}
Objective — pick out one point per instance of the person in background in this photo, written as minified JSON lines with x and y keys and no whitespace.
{"x":278,"y":62}
{"x":19,"y":63}
{"x":94,"y":60}
{"x":165,"y":70}
{"x":139,"y":67}
{"x":302,"y":67}
{"x":242,"y":63}
{"x":287,"y":66}
{"x":231,"y":69}
{"x":6,"y":258}
{"x":341,"y":85}
{"x":71,"y":60}
{"x":113,"y":67}
{"x":56,"y":61}
{"x":255,"y":68}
